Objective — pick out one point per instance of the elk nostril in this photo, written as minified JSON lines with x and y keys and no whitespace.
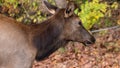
{"x":91,"y":41}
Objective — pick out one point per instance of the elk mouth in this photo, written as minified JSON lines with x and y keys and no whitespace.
{"x":87,"y":43}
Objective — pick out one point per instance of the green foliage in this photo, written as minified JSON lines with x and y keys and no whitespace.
{"x":79,"y":1}
{"x":62,"y":49}
{"x":91,"y":12}
{"x":8,"y":3}
{"x":1,"y":2}
{"x":114,"y":5}
{"x":31,"y":12}
{"x":23,"y":10}
{"x":51,"y":1}
{"x":108,"y":22}
{"x":28,"y":10}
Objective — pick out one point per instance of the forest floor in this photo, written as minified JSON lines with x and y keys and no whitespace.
{"x":105,"y":53}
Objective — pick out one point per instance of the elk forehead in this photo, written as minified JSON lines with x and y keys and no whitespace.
{"x":73,"y":19}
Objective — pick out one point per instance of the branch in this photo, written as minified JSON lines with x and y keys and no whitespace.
{"x":109,"y":28}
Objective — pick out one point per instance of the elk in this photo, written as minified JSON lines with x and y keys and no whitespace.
{"x":21,"y":44}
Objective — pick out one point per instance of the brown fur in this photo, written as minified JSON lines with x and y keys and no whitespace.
{"x":20,"y":44}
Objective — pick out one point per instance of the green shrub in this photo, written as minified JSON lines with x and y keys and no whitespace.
{"x":22,"y":10}
{"x":29,"y":11}
{"x":91,"y":12}
{"x":8,"y":3}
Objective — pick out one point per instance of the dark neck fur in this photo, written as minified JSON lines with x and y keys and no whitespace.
{"x":46,"y":37}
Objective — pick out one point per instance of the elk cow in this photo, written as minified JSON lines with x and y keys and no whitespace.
{"x":20,"y":44}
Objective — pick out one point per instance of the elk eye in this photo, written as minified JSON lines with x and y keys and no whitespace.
{"x":68,"y":11}
{"x":80,"y":23}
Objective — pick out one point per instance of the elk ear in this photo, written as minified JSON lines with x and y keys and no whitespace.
{"x":69,"y":9}
{"x":51,"y":8}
